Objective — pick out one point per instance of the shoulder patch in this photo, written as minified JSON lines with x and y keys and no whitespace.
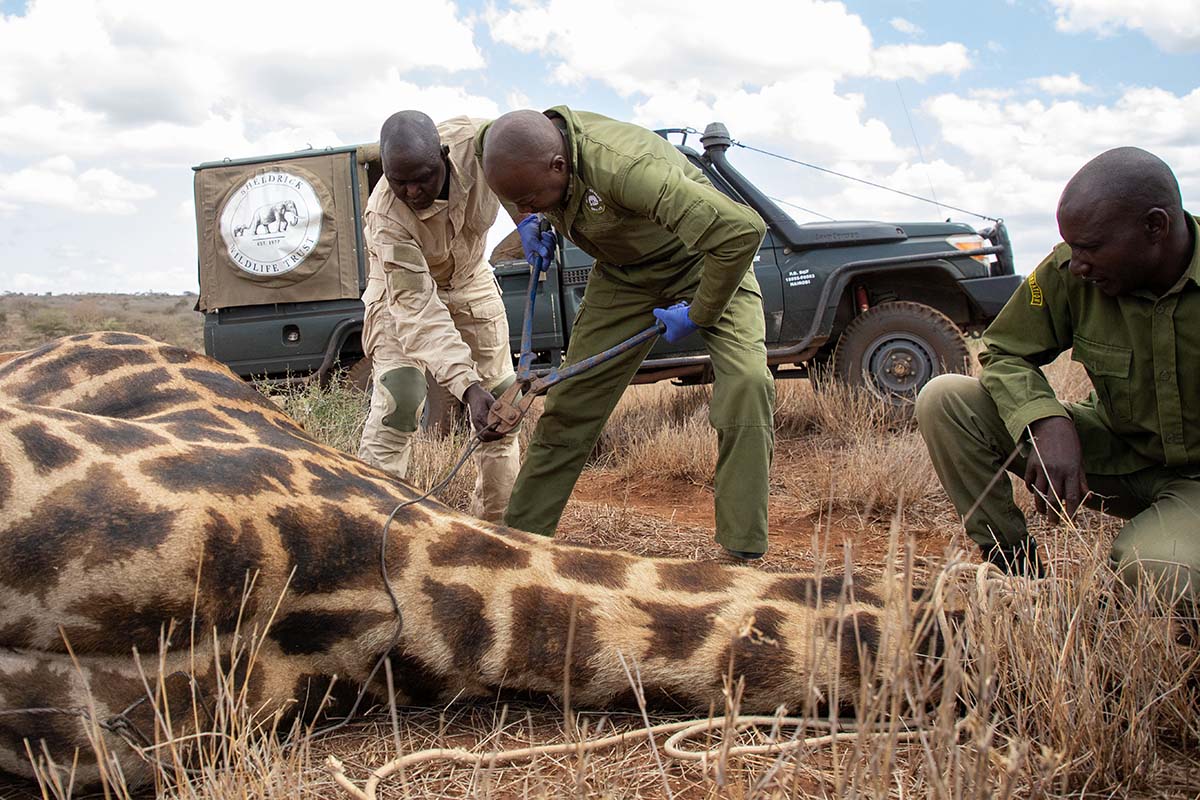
{"x":593,"y":201}
{"x":1035,"y":291}
{"x":403,"y":254}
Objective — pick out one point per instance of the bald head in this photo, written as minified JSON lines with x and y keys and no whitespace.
{"x":525,"y":161}
{"x":408,"y":134}
{"x":413,"y":158}
{"x":1122,"y":215}
{"x":1126,"y":179}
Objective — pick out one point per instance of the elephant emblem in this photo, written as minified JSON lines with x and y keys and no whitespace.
{"x":282,"y":215}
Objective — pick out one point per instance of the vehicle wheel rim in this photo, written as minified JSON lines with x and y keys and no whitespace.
{"x":899,"y":365}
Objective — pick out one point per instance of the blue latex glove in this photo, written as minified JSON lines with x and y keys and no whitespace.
{"x":538,"y":244}
{"x":678,"y":323}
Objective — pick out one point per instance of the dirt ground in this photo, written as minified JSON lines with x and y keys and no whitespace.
{"x":682,"y":514}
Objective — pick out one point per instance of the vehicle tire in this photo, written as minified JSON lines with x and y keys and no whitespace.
{"x":442,"y":410}
{"x":896,"y":348}
{"x":359,"y":374}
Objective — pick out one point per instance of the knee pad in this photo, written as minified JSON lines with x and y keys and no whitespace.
{"x":406,"y":385}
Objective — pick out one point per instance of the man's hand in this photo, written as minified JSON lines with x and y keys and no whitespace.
{"x":1054,"y":471}
{"x":538,"y":244}
{"x":479,"y":400}
{"x":678,"y":323}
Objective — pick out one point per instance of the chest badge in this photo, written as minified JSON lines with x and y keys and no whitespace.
{"x":593,"y":201}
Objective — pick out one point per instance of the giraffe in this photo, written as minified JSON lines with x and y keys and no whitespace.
{"x":143,"y":486}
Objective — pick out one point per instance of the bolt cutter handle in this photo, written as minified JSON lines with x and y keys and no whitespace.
{"x":510,"y":408}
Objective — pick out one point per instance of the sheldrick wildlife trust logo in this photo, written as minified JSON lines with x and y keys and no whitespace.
{"x":272,"y":223}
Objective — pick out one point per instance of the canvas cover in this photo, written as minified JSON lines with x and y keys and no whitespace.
{"x":282,"y":231}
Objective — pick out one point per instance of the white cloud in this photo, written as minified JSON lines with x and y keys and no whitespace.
{"x":677,"y":67}
{"x":1062,"y":84}
{"x":87,"y":77}
{"x":638,"y":47}
{"x":105,"y":104}
{"x":516,"y":99}
{"x":896,"y":61}
{"x":1001,"y":154}
{"x":807,"y":114}
{"x":1056,"y":138}
{"x":984,"y":93}
{"x":1173,"y":25}
{"x":905,"y":26}
{"x":56,"y":182}
{"x":937,"y":179}
{"x":1020,"y":153}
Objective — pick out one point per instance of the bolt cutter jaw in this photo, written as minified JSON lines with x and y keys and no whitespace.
{"x":509,"y":409}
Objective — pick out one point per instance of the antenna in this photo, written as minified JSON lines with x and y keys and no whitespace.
{"x":917,"y":142}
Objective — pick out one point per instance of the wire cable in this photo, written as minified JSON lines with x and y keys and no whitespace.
{"x":863,"y":181}
{"x":802,"y":208}
{"x":387,"y":586}
{"x":920,"y":153}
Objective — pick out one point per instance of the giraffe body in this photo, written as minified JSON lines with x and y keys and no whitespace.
{"x":140,"y":484}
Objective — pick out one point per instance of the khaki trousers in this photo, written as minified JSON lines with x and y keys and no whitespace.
{"x":617,"y":305}
{"x":969,"y":445}
{"x":398,"y":389}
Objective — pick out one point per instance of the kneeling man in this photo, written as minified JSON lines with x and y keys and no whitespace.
{"x":1121,"y":293}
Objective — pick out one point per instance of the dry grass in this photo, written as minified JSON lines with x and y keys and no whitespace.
{"x":1069,"y":687}
{"x":29,"y":320}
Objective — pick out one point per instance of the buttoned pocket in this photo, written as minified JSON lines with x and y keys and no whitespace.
{"x":1108,"y":367}
{"x":489,"y":323}
{"x":695,"y":223}
{"x":591,"y":224}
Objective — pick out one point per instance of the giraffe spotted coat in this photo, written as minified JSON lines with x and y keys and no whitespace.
{"x":142,"y":486}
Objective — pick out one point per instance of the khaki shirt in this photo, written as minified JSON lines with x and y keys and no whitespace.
{"x":1141,"y":352}
{"x":415,"y":254}
{"x":634,"y":202}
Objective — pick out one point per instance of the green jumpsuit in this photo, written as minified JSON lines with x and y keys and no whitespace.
{"x":1140,"y":429}
{"x":660,"y":233}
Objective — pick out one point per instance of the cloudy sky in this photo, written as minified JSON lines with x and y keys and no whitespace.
{"x":105,"y":105}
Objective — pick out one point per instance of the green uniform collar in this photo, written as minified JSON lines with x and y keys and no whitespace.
{"x":574,"y":195}
{"x":1192,"y":273}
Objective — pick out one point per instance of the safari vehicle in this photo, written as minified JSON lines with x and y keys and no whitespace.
{"x":879,"y":304}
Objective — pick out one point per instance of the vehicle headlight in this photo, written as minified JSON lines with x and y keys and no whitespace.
{"x":971,"y":241}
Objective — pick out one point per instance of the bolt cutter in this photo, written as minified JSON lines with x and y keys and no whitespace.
{"x":510,"y":408}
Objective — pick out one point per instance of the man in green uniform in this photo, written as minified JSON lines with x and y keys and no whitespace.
{"x":660,"y":234}
{"x":1122,"y":293}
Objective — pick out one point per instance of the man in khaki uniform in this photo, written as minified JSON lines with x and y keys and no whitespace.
{"x":1123,"y":294}
{"x":660,"y":234}
{"x":432,"y":301}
